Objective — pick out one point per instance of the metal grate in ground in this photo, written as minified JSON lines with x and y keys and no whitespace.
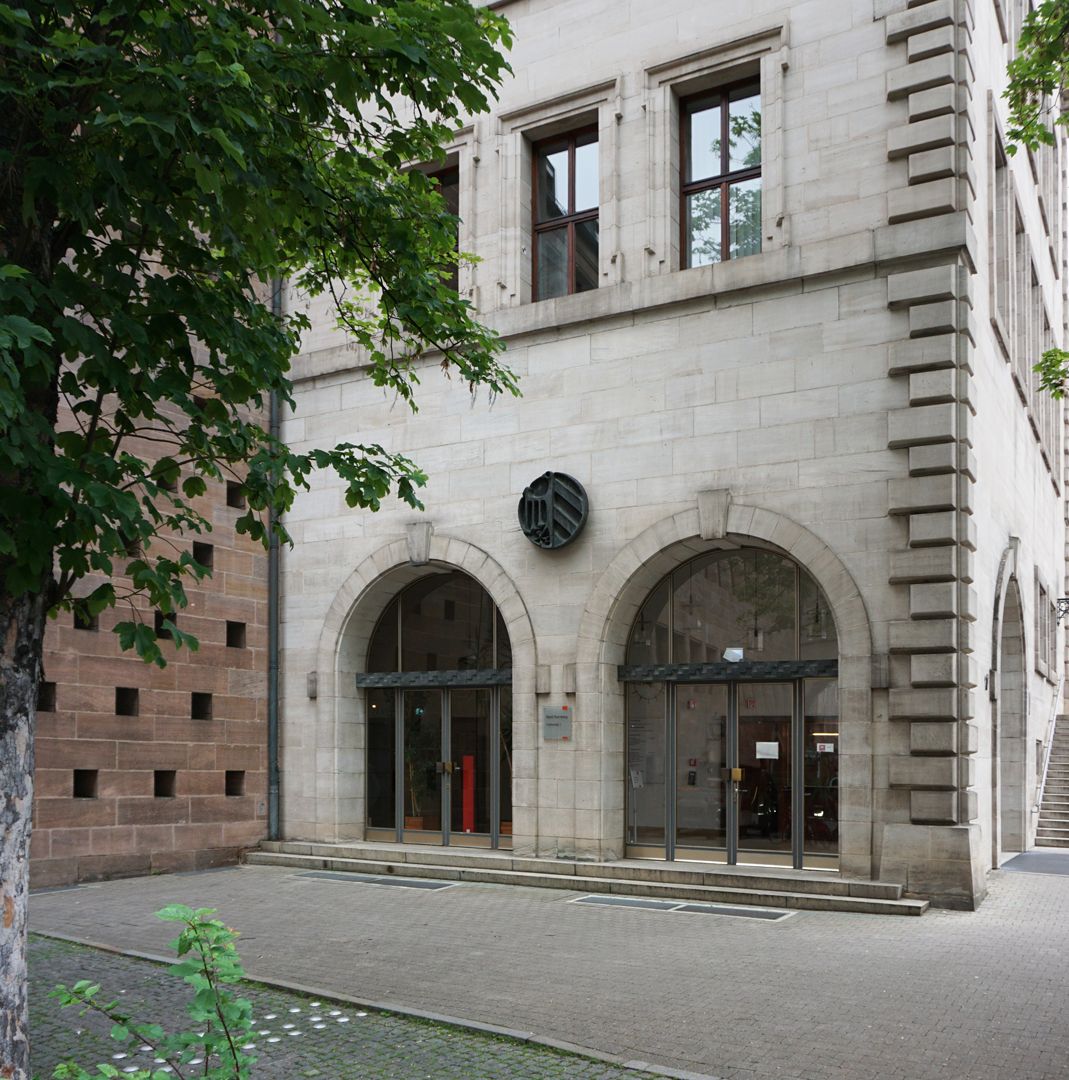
{"x":1039,"y":862}
{"x":765,"y":914}
{"x":374,"y":879}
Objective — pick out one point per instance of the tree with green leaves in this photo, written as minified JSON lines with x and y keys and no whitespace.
{"x":161,"y":166}
{"x":1039,"y":83}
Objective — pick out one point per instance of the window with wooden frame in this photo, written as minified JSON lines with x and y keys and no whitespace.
{"x":720,"y":184}
{"x":565,"y":196}
{"x":448,"y":184}
{"x":1052,"y":644}
{"x":1002,"y":240}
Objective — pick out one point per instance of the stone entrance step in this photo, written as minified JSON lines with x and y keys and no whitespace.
{"x":766,"y":887}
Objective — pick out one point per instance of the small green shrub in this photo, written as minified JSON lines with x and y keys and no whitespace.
{"x":221,"y":1022}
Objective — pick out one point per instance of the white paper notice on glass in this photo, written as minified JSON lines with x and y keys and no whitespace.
{"x":768,"y":751}
{"x":825,"y":748}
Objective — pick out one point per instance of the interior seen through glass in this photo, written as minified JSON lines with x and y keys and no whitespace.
{"x":439,"y":759}
{"x":734,"y":766}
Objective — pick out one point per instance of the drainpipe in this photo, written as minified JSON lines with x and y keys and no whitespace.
{"x":274,"y":427}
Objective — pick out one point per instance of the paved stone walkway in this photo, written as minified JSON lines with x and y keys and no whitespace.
{"x":294,"y":1036}
{"x":817,"y":996}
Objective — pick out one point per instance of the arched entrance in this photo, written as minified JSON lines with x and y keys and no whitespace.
{"x":1011,"y":726}
{"x":731,"y":674}
{"x":438,"y":708}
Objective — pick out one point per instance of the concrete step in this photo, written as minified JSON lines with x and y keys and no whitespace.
{"x":1044,"y":841}
{"x":1052,"y":832}
{"x":771,"y":879}
{"x":615,"y":886}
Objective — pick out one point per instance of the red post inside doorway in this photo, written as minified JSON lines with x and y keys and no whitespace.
{"x":469,"y":792}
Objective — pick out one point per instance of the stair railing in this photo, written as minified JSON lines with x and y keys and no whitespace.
{"x":1055,"y":708}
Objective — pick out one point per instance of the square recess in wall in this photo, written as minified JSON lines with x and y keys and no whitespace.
{"x":235,"y":635}
{"x":200,"y":706}
{"x":46,"y":697}
{"x":164,"y":783}
{"x":235,"y":782}
{"x":85,"y":783}
{"x":127,"y":701}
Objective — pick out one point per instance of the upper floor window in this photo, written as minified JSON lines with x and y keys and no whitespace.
{"x":721,"y":181}
{"x":566,"y":215}
{"x":448,"y":183}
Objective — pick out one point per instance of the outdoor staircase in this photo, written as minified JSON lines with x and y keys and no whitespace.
{"x":1053,"y":829}
{"x":767,"y":887}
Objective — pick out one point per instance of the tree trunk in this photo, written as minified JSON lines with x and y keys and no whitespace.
{"x":22,"y":621}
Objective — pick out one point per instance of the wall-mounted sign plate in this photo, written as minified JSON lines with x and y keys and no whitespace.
{"x":553,"y":510}
{"x":557,"y":722}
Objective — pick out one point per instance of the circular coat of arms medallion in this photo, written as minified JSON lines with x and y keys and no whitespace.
{"x":553,"y":510}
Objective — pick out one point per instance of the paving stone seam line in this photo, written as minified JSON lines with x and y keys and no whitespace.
{"x":527,"y":1037}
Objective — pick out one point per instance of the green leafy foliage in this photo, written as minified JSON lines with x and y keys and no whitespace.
{"x":1038,"y":81}
{"x":220,"y":1022}
{"x":1053,"y":372}
{"x":1038,"y":76}
{"x":160,"y":166}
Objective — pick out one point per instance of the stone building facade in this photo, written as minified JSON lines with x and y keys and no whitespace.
{"x":140,"y":769}
{"x":773,"y":287}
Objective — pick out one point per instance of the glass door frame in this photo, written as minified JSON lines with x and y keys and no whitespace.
{"x":445,"y":836}
{"x":673,"y":849}
{"x":674,"y":676}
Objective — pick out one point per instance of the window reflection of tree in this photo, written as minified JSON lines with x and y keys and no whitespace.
{"x":705,"y":209}
{"x":750,"y":598}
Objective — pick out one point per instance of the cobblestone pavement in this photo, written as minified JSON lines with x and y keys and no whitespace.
{"x":817,"y":996}
{"x":295,"y":1036}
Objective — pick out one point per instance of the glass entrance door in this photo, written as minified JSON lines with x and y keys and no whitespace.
{"x":701,"y":735}
{"x":764,"y":790}
{"x":440,"y":766}
{"x":424,"y":764}
{"x":470,"y":780}
{"x":749,"y":776}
